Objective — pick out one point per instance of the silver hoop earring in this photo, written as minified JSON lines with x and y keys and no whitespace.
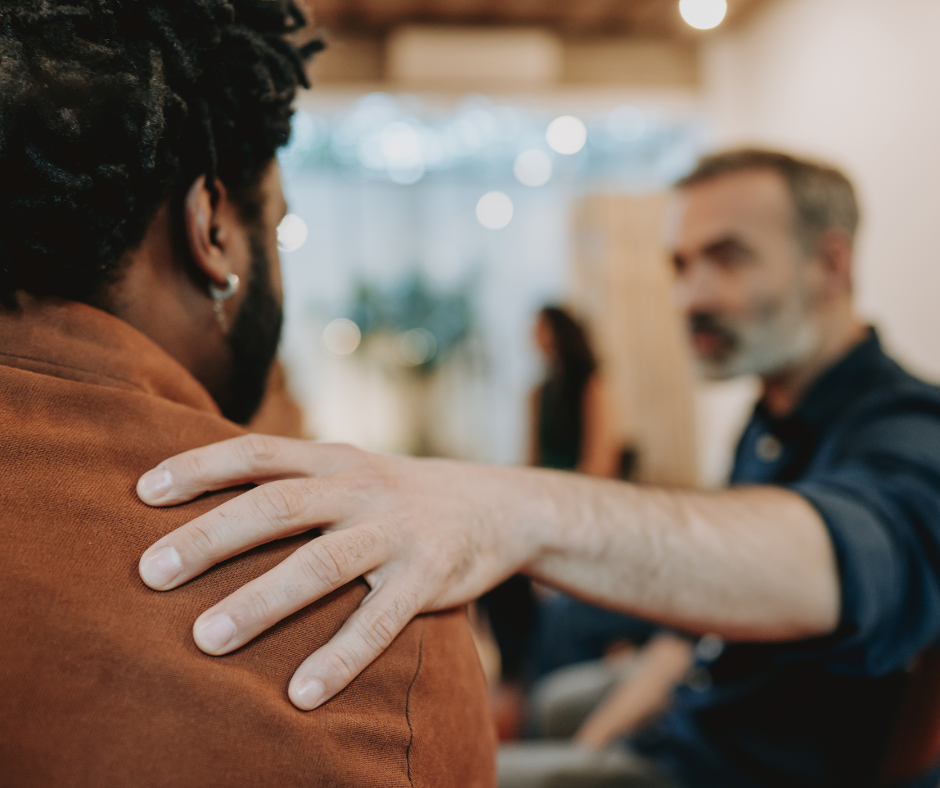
{"x":223,"y":294}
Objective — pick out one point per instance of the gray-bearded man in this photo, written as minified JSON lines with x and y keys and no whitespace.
{"x":818,"y":570}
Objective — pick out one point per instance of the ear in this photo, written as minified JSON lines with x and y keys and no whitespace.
{"x":835,"y":252}
{"x":206,"y":235}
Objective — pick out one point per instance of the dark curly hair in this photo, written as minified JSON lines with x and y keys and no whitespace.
{"x":108,"y":108}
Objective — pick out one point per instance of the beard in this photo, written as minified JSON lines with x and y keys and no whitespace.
{"x":252,"y":341}
{"x":778,"y":338}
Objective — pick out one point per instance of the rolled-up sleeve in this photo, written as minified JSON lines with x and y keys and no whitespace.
{"x":878,"y":492}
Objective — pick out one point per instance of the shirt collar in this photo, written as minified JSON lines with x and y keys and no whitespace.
{"x":834,"y":390}
{"x":74,"y":341}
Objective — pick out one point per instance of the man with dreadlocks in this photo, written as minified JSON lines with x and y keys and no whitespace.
{"x":141,"y":307}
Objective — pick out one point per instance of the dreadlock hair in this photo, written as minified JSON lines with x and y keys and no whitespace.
{"x":110,"y":107}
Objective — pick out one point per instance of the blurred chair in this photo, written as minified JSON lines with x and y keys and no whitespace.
{"x":915,"y":742}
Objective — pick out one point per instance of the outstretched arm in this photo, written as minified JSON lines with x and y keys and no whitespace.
{"x":431,"y":534}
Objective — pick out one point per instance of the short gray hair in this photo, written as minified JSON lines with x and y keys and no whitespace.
{"x":823,"y":197}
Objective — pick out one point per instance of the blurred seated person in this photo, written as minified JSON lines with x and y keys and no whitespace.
{"x":572,"y":422}
{"x":581,"y":713}
{"x":572,"y":429}
{"x":140,"y":309}
{"x":596,"y":703}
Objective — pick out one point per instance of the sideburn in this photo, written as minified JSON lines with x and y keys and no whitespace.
{"x":253,"y":340}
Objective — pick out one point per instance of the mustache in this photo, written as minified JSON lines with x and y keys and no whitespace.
{"x":708,"y":323}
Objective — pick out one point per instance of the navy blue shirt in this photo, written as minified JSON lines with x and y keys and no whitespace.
{"x":863,"y":448}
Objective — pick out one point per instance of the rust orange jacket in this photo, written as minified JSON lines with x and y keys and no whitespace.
{"x":101,"y":682}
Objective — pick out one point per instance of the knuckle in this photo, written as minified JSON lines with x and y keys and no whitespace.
{"x":260,"y":606}
{"x":378,"y":629}
{"x":347,"y":457}
{"x":256,"y":449}
{"x":205,"y":539}
{"x":187,"y":466}
{"x":281,"y":500}
{"x":343,"y":661}
{"x":325,"y":563}
{"x":360,"y":544}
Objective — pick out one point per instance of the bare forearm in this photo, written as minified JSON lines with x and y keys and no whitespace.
{"x":431,"y":534}
{"x":753,"y":564}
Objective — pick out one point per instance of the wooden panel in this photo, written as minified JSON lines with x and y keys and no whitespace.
{"x":623,"y":291}
{"x":357,"y":57}
{"x":473,"y":58}
{"x":350,"y":58}
{"x":637,"y":17}
{"x":631,"y":61}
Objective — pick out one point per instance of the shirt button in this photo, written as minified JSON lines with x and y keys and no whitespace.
{"x":699,"y":679}
{"x":769,"y":448}
{"x":709,"y":648}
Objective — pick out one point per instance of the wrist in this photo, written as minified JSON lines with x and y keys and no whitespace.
{"x":541,"y":516}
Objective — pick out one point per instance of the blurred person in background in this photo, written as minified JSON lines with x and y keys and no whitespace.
{"x":572,"y":423}
{"x":571,"y":429}
{"x":582,"y":652}
{"x":140,"y":311}
{"x":813,"y":582}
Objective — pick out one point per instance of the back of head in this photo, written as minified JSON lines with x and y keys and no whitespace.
{"x":109,"y":108}
{"x":823,"y":197}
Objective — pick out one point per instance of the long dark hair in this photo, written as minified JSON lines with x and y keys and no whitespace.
{"x":572,"y":367}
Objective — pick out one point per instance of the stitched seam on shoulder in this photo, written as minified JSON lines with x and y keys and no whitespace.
{"x":69,"y":366}
{"x":408,"y":708}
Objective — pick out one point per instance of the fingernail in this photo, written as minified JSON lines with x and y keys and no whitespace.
{"x":154,"y":485}
{"x":161,"y":568}
{"x":215,"y":634}
{"x":310,"y":695}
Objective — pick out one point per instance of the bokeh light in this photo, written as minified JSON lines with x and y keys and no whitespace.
{"x":533,"y":168}
{"x":703,"y":14}
{"x":401,"y":147}
{"x":566,"y":135}
{"x":291,"y":233}
{"x":341,"y":336}
{"x":417,"y":346}
{"x":494,"y":210}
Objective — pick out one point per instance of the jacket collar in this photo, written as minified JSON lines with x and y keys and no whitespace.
{"x":74,"y":341}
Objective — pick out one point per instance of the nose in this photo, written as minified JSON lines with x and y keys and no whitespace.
{"x":696,"y":288}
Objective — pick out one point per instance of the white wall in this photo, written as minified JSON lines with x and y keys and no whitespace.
{"x":380,"y":232}
{"x":856,"y":82}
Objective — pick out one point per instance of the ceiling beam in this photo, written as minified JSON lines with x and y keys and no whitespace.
{"x":644,"y":18}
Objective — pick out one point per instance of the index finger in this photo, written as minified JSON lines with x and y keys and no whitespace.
{"x":365,"y":635}
{"x":247,"y":459}
{"x":272,"y":511}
